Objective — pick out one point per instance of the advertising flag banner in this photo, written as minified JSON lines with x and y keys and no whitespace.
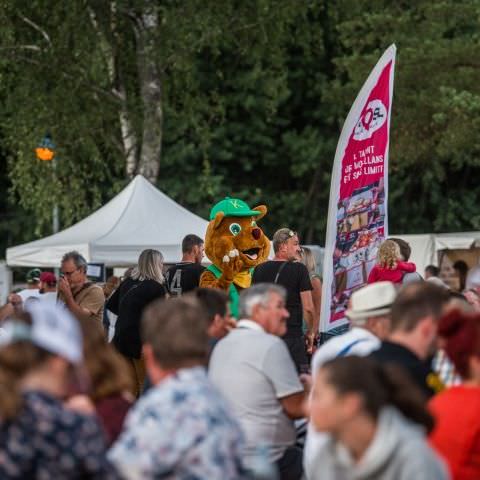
{"x":357,"y":212}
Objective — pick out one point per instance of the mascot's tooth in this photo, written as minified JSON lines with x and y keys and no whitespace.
{"x":232,"y":253}
{"x":226,"y":259}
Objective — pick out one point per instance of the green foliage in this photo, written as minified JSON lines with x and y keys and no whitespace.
{"x":434,"y":155}
{"x":254,"y":94}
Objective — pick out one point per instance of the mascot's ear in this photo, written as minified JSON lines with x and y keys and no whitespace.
{"x":218,"y":220}
{"x":263,"y":211}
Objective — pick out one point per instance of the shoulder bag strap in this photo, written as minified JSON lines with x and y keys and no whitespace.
{"x":343,"y":352}
{"x":282,"y":266}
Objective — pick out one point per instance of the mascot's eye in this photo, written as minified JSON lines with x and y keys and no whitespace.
{"x":254,"y":223}
{"x":235,"y":228}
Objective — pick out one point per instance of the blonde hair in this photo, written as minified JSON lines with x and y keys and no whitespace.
{"x":308,"y":259}
{"x":149,"y":267}
{"x":107,"y":370}
{"x":388,"y":254}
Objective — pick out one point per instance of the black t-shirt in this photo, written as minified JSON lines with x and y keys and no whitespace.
{"x":128,"y":302}
{"x":295,"y":278}
{"x":183,"y":277}
{"x":419,"y":371}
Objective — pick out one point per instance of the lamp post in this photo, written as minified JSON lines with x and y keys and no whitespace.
{"x":45,"y":152}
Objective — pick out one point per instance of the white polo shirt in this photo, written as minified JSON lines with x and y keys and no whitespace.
{"x":357,"y":341}
{"x":253,"y":370}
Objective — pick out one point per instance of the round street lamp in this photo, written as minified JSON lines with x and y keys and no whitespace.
{"x":46,"y":149}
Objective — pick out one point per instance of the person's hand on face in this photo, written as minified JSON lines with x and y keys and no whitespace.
{"x":15,"y":299}
{"x":64,"y":287}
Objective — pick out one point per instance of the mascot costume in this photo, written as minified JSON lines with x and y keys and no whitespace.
{"x":235,"y":245}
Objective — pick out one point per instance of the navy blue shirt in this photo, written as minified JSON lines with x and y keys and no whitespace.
{"x":47,"y":441}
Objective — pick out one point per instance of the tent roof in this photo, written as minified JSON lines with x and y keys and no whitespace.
{"x":139,"y":217}
{"x":425,"y":246}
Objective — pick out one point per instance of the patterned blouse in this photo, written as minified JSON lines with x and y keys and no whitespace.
{"x":181,"y":429}
{"x":48,"y":441}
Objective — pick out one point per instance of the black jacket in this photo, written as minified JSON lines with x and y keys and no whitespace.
{"x":128,"y":302}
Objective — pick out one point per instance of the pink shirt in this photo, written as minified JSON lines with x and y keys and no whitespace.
{"x":380,"y":274}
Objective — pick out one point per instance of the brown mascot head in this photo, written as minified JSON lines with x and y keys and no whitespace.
{"x":233,"y":232}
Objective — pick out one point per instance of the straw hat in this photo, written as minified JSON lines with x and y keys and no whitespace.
{"x":372,"y":300}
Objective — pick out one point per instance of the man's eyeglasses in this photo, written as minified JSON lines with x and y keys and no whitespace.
{"x":68,"y":274}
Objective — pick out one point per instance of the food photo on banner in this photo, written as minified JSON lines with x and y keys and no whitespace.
{"x":357,"y":215}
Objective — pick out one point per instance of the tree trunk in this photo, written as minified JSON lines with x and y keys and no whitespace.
{"x":151,"y":94}
{"x":129,"y":139}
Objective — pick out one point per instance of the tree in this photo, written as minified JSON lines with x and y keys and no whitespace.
{"x":434,"y":155}
{"x":102,"y":89}
{"x":246,"y":99}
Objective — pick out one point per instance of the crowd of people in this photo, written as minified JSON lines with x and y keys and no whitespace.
{"x":149,"y":376}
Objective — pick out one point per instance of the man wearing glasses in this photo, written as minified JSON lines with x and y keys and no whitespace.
{"x":84,"y":299}
{"x":285,"y":269}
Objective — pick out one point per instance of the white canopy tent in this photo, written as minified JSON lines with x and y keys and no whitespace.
{"x":425,"y":247}
{"x":139,"y":217}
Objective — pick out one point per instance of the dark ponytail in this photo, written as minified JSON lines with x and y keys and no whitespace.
{"x":380,"y":386}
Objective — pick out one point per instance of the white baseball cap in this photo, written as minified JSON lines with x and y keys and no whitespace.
{"x":53,"y":328}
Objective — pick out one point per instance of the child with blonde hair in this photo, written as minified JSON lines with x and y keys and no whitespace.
{"x":390,"y":266}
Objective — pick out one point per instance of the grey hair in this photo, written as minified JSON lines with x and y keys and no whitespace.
{"x":281,"y":236}
{"x":149,"y":267}
{"x":258,"y":294}
{"x":77,"y":258}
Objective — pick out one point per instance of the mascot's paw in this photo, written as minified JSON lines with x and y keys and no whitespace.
{"x":231,"y":264}
{"x":231,"y":255}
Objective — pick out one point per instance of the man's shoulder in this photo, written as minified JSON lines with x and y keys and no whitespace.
{"x":267,"y":266}
{"x":91,"y":289}
{"x":186,"y":266}
{"x":339,"y":341}
{"x":253,"y":345}
{"x":396,"y":353}
{"x":188,"y":389}
{"x":358,"y":341}
{"x":268,"y":270}
{"x":29,"y":292}
{"x":246,"y":336}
